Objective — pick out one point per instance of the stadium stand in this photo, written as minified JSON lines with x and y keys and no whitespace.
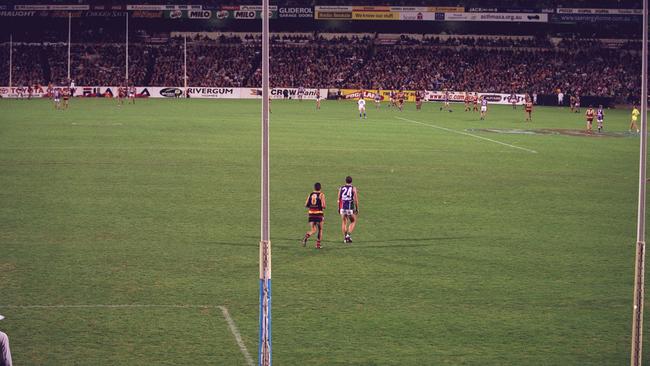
{"x":491,"y":64}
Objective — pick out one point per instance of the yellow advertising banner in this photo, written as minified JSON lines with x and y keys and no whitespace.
{"x":375,"y":15}
{"x":333,"y":15}
{"x":370,"y":94}
{"x":447,"y":9}
{"x":371,"y":8}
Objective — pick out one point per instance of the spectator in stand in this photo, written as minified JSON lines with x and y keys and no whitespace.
{"x":485,"y":64}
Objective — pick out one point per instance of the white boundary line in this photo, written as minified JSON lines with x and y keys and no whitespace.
{"x":468,"y":134}
{"x":224,"y":310}
{"x":235,"y":332}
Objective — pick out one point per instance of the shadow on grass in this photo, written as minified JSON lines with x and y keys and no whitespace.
{"x":382,"y":243}
{"x":253,"y":242}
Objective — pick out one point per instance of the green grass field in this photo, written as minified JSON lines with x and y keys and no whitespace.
{"x":468,"y":251}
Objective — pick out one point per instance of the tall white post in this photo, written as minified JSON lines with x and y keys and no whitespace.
{"x":69,"y":32}
{"x":639,"y":267}
{"x":127,"y":48}
{"x":264,"y":351}
{"x":11,"y":57}
{"x":185,"y":66}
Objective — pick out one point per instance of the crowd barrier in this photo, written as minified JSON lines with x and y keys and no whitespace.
{"x":256,"y":93}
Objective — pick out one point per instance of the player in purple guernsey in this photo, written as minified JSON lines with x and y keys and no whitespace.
{"x":600,"y":117}
{"x":348,"y":200}
{"x":57,"y":98}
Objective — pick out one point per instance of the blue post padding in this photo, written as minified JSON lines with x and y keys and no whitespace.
{"x":259,"y":350}
{"x":270,"y":343}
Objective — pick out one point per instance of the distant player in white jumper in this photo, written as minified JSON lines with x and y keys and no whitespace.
{"x":362,"y":107}
{"x":301,"y":93}
{"x":131,"y":94}
{"x":484,"y":108}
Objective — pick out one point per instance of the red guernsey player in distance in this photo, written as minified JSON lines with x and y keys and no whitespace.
{"x":529,"y":109}
{"x":348,"y":208}
{"x":315,"y":206}
{"x":590,"y":114}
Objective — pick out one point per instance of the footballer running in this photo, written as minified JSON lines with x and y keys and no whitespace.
{"x":362,"y":107}
{"x":315,"y":207}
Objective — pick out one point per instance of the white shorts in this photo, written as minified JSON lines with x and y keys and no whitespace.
{"x":483,"y":108}
{"x":362,"y":109}
{"x":346,"y":212}
{"x":57,"y":100}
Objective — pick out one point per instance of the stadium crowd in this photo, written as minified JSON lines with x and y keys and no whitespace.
{"x":585,"y":67}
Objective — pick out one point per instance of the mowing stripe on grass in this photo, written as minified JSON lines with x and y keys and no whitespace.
{"x":107,"y":306}
{"x":235,"y":332}
{"x":224,"y":310}
{"x":468,"y":134}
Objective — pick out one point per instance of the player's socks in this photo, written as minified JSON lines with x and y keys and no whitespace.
{"x":318,"y":244}
{"x":304,"y":240}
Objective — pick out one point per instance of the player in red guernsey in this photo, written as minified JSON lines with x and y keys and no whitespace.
{"x":315,"y":207}
{"x":66,"y":98}
{"x":418,"y":99}
{"x":528,"y":107}
{"x":476,"y":101}
{"x":121,"y":94}
{"x":590,"y":114}
{"x":468,"y":100}
{"x":400,"y":100}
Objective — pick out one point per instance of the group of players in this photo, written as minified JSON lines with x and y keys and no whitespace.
{"x":61,"y":95}
{"x":396,"y":100}
{"x":348,"y":203}
{"x":57,"y":94}
{"x":126,"y":92}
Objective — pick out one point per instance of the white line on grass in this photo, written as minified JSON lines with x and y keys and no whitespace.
{"x":468,"y":134}
{"x":235,"y":332}
{"x":224,"y":310}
